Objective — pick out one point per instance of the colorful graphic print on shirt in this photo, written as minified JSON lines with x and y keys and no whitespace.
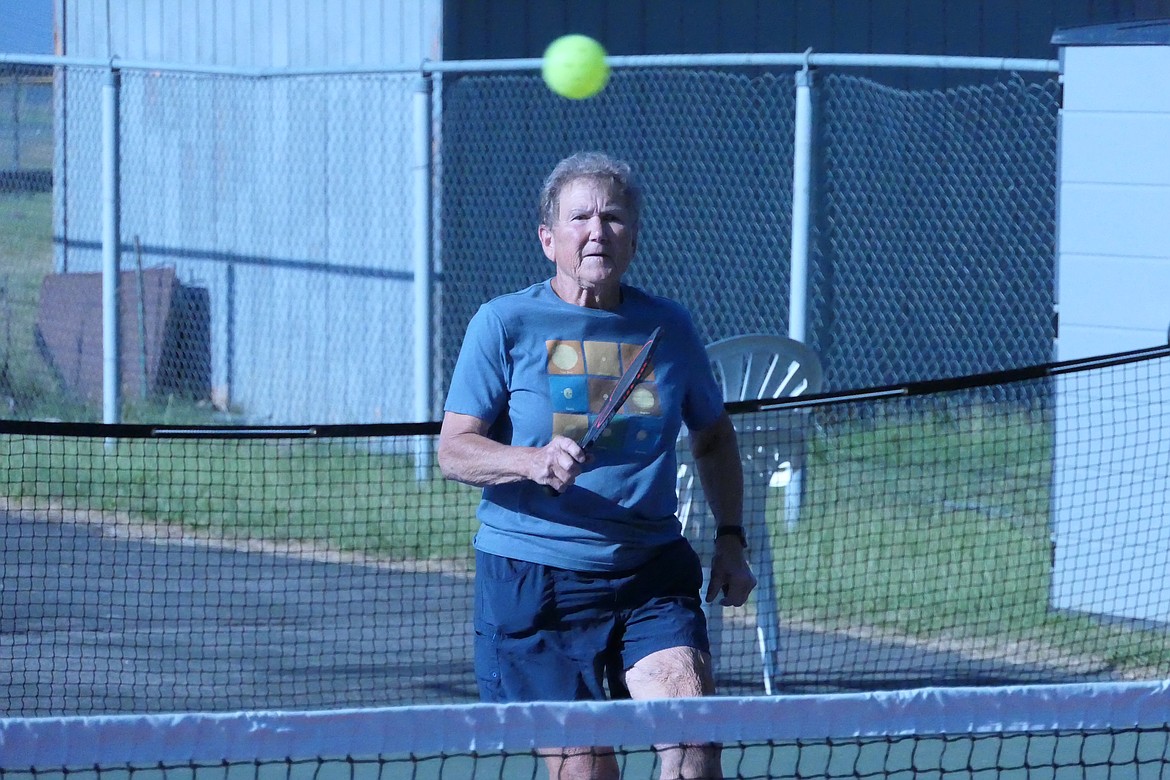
{"x":582,"y":375}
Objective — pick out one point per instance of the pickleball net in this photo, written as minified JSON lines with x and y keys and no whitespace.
{"x":1094,"y":730}
{"x":999,"y":529}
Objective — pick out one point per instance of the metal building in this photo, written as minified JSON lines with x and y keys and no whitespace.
{"x":295,"y":225}
{"x":280,"y":196}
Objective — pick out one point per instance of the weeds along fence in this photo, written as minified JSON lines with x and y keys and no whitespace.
{"x":291,"y":246}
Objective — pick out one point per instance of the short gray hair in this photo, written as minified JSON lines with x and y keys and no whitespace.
{"x":590,"y":165}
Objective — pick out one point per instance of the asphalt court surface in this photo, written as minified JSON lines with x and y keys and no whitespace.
{"x":100,"y":618}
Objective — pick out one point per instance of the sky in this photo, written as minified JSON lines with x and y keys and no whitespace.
{"x":26,"y":26}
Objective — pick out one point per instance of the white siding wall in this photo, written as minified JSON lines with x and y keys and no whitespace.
{"x":1114,"y":220}
{"x":1113,"y":548}
{"x":254,"y":33}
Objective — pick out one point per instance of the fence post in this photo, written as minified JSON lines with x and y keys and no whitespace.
{"x":17,"y":95}
{"x":801,"y":204}
{"x":798,"y":302}
{"x":423,"y":273}
{"x":111,"y":245}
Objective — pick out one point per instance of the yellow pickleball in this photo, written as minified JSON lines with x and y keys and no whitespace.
{"x":574,"y":66}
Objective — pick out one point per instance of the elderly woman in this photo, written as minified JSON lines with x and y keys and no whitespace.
{"x":583,"y":578}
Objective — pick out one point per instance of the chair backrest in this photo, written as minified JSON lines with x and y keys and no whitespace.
{"x":761,"y":365}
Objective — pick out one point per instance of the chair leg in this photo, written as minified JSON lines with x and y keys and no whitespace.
{"x":767,"y":622}
{"x":756,"y":491}
{"x":767,"y":659}
{"x":714,"y":614}
{"x":793,"y":493}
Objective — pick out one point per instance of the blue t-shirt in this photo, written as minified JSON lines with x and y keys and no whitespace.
{"x":534,"y":366}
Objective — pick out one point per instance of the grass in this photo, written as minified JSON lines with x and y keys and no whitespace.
{"x":26,"y":256}
{"x":339,"y":495}
{"x":927,"y":529}
{"x":937,"y":528}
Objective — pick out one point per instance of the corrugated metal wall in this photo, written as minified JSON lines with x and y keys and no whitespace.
{"x":916,"y":346}
{"x":474,"y":29}
{"x":252,"y":33}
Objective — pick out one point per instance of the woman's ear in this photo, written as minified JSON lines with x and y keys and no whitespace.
{"x":546,"y":241}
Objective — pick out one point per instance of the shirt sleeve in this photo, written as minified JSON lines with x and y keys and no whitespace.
{"x":479,"y":383}
{"x":703,"y":401}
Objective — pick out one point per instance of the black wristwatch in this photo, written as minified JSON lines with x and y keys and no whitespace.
{"x":732,"y":530}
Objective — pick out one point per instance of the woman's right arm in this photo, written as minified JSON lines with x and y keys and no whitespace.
{"x":468,"y":455}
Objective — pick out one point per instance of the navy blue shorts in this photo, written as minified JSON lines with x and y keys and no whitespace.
{"x":549,"y":634}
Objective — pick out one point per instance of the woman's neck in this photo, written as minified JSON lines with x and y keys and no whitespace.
{"x":608,"y":297}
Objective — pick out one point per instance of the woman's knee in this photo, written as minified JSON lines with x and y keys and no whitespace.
{"x":671,"y":673}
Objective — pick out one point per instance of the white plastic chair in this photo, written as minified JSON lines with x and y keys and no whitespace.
{"x":751,"y":367}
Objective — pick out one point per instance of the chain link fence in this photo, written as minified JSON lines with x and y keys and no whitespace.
{"x":936,"y":231}
{"x":714,"y":153}
{"x":275,"y":203}
{"x":26,"y":178}
{"x":934,"y":211}
{"x":267,"y":248}
{"x":26,"y":127}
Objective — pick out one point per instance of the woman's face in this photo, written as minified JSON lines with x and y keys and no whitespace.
{"x":593,"y":239}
